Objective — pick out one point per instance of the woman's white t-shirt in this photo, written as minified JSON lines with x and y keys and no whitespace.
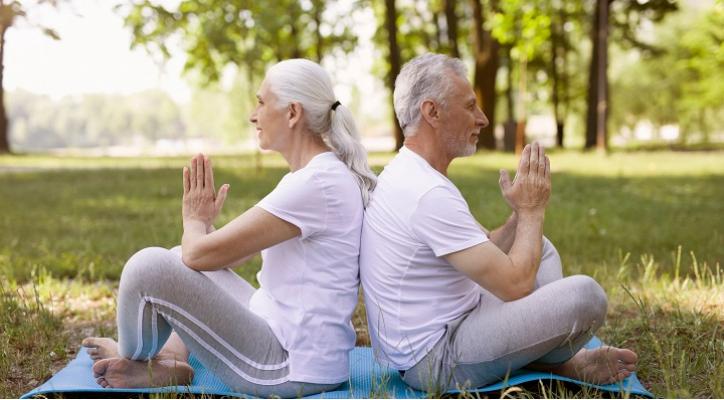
{"x":309,"y":284}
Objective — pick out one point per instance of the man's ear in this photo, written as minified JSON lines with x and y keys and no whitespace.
{"x":430,"y":111}
{"x":294,"y":114}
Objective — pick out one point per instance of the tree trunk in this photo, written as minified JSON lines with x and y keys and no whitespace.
{"x":596,"y":120}
{"x":509,"y":127}
{"x":395,"y":64}
{"x":437,"y":17}
{"x":317,"y":9}
{"x":4,"y":131}
{"x":556,"y":47}
{"x":485,"y":50}
{"x":522,"y":117}
{"x":451,"y":19}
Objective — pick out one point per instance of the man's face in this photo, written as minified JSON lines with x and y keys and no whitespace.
{"x":461,"y":119}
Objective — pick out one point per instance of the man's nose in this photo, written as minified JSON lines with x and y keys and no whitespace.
{"x":482,"y":119}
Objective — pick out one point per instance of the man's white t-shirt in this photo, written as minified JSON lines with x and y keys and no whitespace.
{"x":415,"y":217}
{"x":309,"y":284}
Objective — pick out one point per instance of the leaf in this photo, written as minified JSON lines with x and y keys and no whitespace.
{"x":52,"y":33}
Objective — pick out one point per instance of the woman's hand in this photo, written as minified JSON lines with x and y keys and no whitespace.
{"x":200,"y":202}
{"x":531,"y":188}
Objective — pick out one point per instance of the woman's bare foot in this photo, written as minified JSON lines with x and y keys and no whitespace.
{"x":100,"y":348}
{"x":125,"y":373}
{"x":603,"y":365}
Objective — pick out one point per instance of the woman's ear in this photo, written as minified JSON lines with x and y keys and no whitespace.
{"x":294,"y":114}
{"x":430,"y":112}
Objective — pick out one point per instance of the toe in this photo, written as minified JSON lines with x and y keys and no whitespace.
{"x":627,"y":356}
{"x":99,"y":367}
{"x":89,"y":342}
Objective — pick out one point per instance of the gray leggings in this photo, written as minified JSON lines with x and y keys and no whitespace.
{"x":209,"y":311}
{"x":548,"y":326}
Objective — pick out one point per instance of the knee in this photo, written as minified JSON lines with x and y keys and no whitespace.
{"x":147,"y":265}
{"x":548,"y":249}
{"x":589,"y":300}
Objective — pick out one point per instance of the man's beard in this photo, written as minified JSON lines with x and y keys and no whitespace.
{"x":458,"y":149}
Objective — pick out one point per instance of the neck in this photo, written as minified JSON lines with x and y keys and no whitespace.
{"x":302,"y":148}
{"x":425,"y":143}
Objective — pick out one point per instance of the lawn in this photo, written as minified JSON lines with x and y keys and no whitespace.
{"x":648,"y":226}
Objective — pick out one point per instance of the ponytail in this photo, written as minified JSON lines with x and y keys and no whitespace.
{"x":344,"y":138}
{"x":304,"y":81}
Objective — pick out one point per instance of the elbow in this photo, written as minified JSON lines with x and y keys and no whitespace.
{"x":517,"y":289}
{"x":193,"y":258}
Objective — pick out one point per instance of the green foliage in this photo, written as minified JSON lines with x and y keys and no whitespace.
{"x":139,"y":119}
{"x":92,"y":120}
{"x":30,"y":339}
{"x":249,"y":34}
{"x":523,"y":26}
{"x":684,"y":79}
{"x":82,"y":218}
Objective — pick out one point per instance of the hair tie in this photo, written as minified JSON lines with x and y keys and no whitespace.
{"x":334,"y":106}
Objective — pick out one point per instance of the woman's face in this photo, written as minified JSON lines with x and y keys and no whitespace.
{"x":270,"y":120}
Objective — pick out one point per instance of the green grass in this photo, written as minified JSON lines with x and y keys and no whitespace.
{"x":631,"y":220}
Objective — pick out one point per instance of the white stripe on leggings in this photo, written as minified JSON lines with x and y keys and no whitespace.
{"x":266,"y":382}
{"x":139,"y":346}
{"x":154,"y":331}
{"x":265,"y":367}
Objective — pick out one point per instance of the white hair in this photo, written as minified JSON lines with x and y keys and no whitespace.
{"x":423,"y":78}
{"x":305,"y":82}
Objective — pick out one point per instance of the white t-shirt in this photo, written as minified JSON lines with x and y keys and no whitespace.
{"x":415,"y":217}
{"x":309,"y":284}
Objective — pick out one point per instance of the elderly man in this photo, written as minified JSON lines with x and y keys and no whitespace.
{"x":450,"y":304}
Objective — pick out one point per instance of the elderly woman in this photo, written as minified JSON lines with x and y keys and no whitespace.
{"x":292,"y":336}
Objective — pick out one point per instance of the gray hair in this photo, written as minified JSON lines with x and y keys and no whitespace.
{"x":305,"y":82}
{"x":422,"y":78}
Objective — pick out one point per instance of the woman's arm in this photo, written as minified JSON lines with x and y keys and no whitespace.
{"x":247,"y":234}
{"x":235,"y":263}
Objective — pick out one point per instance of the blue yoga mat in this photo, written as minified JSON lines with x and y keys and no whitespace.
{"x":367,"y":379}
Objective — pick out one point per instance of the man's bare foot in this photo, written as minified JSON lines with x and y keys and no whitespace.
{"x":125,"y":373}
{"x":100,"y":348}
{"x":603,"y":365}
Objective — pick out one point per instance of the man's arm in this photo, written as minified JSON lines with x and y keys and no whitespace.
{"x":512,"y":276}
{"x":504,"y":235}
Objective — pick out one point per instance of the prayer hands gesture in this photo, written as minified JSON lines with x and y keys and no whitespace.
{"x":200,"y":200}
{"x":531,"y":187}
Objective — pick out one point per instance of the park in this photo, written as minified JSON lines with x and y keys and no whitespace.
{"x":627,"y":97}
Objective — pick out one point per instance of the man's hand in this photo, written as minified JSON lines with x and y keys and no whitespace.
{"x":200,"y":202}
{"x":531,"y":187}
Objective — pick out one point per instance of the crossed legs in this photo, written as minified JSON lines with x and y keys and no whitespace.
{"x":545,"y":330}
{"x":166,"y":309}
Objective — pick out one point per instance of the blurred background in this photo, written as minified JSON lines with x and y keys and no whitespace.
{"x":165,"y":77}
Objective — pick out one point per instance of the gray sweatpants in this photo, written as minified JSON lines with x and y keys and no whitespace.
{"x":209,"y":311}
{"x":548,"y":326}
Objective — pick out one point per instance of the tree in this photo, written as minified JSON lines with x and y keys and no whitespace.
{"x":248,"y":34}
{"x":597,"y":115}
{"x":485,"y":53}
{"x":10,"y":13}
{"x":395,"y":64}
{"x":685,"y":77}
{"x":451,"y":22}
{"x":624,"y":21}
{"x":565,"y":18}
{"x":520,"y":26}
